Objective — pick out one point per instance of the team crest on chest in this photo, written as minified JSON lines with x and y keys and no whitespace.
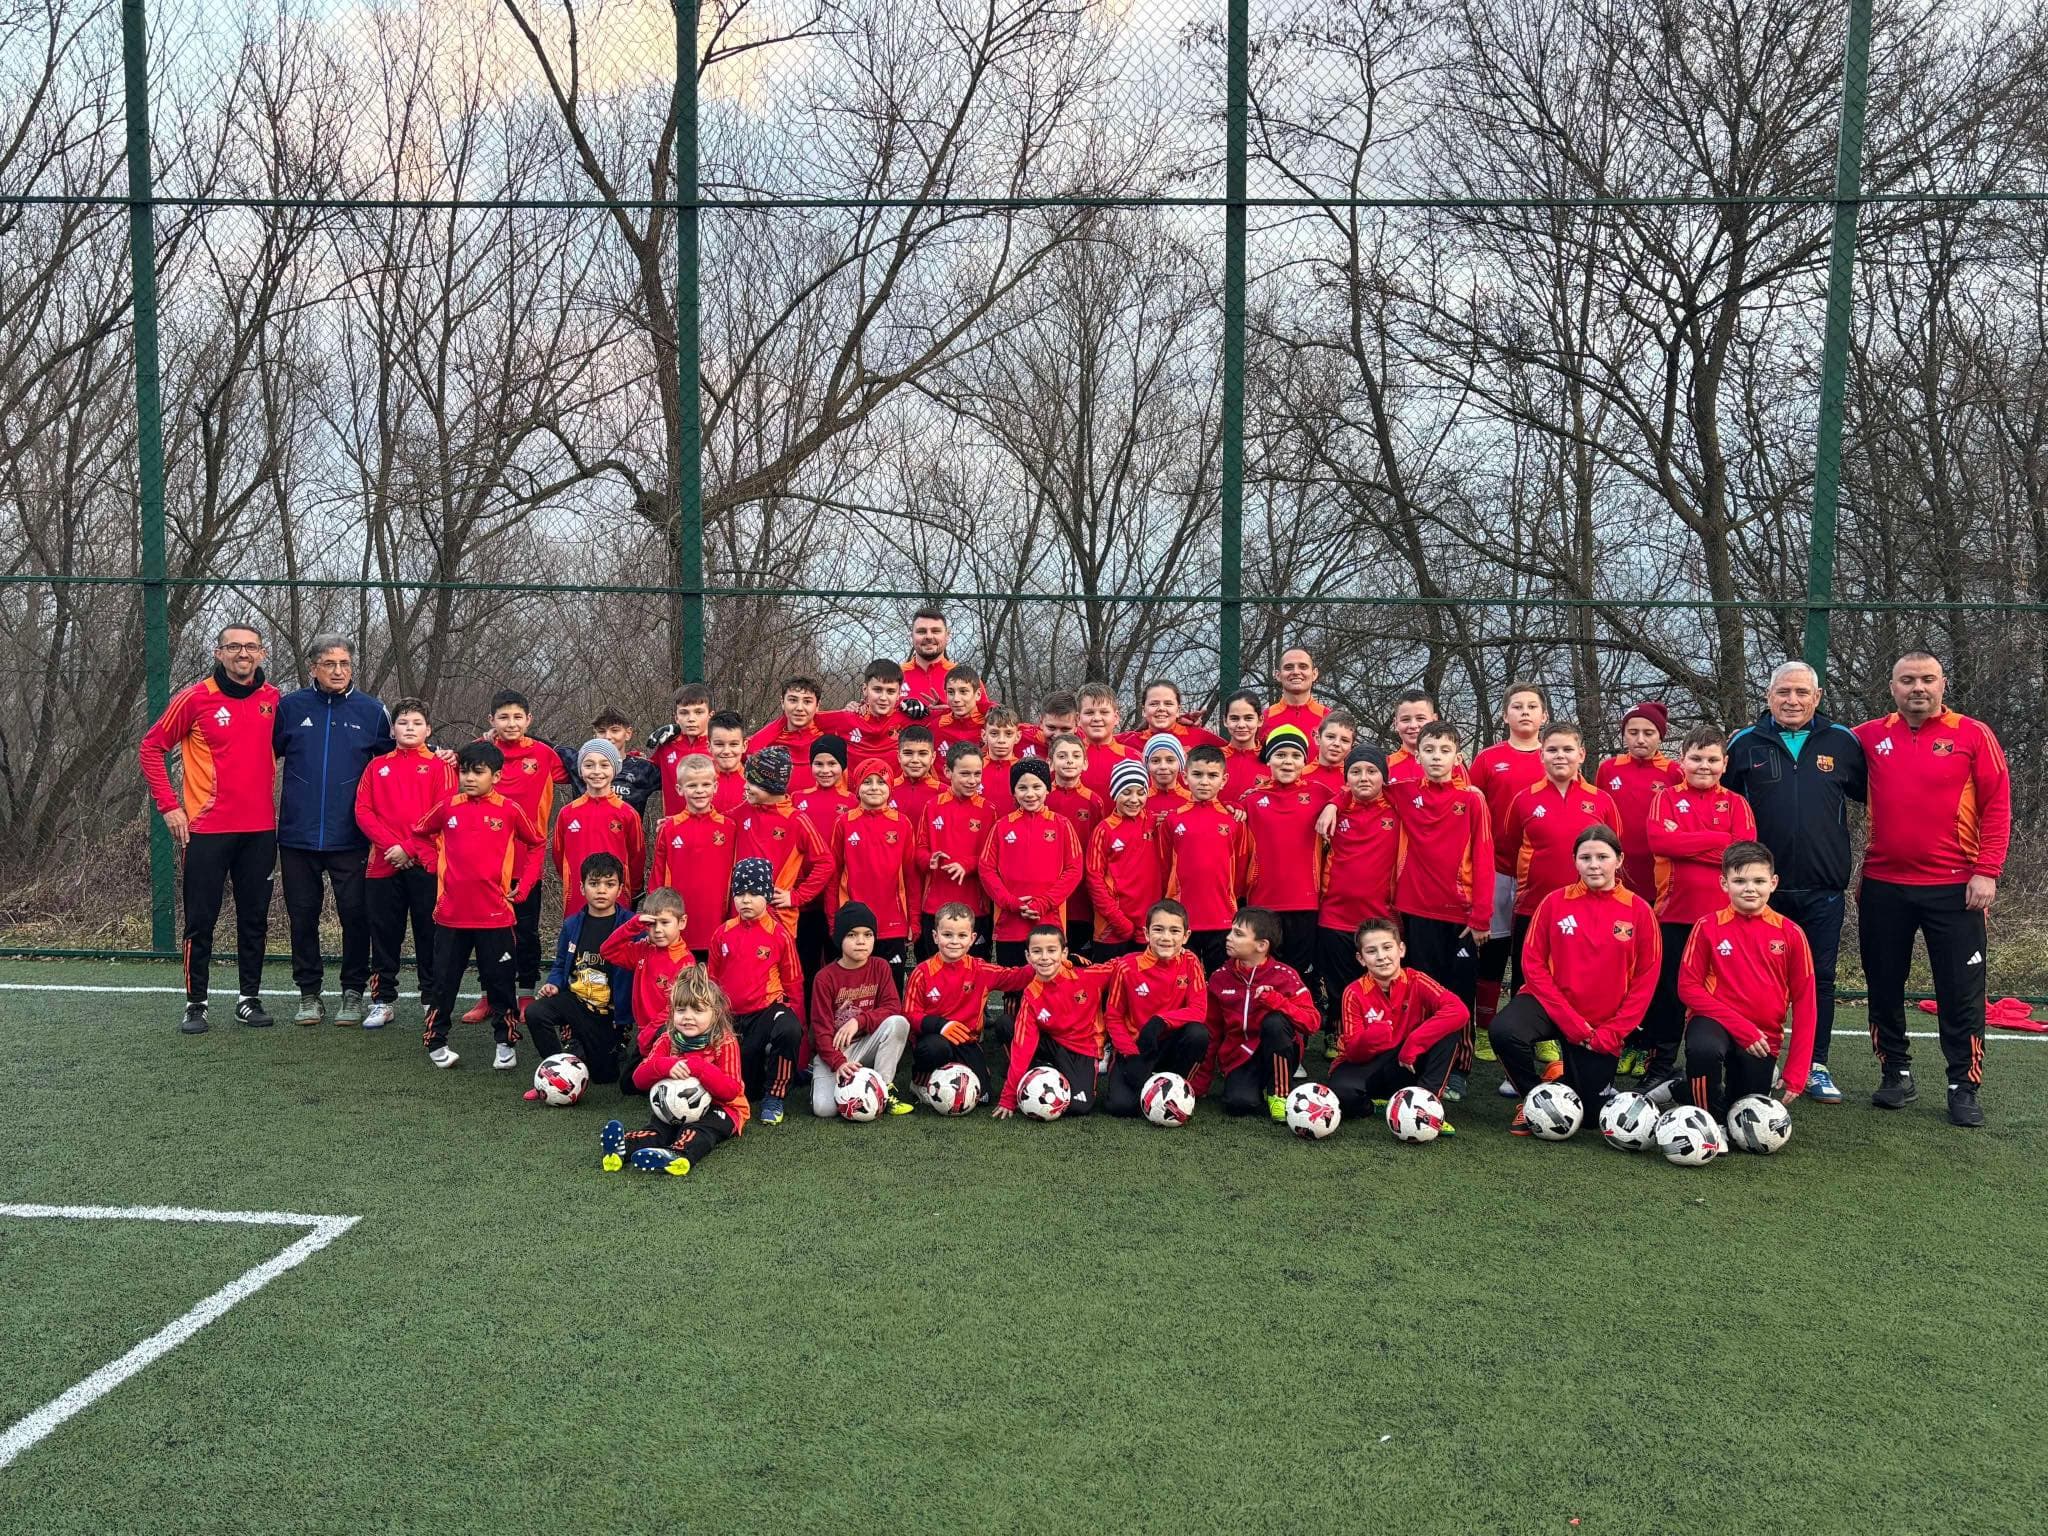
{"x":1944,"y":748}
{"x":266,"y":710}
{"x":1824,"y":763}
{"x":530,"y":766}
{"x":1624,"y":930}
{"x":495,"y":823}
{"x":1778,"y":946}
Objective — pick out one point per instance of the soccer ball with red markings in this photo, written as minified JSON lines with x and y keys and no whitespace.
{"x":679,"y":1100}
{"x":1553,"y":1111}
{"x":1166,"y":1099}
{"x":1628,"y":1121}
{"x":561,"y":1079}
{"x":1758,"y":1124}
{"x":1313,"y":1111}
{"x":1045,"y":1093}
{"x":862,"y":1096}
{"x":1415,"y":1114}
{"x":1689,"y":1137}
{"x":952,"y":1090}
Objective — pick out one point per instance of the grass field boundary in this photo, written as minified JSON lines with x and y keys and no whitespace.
{"x":323,"y":1230}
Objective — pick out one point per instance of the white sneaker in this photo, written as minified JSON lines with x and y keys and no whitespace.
{"x":379,"y":1015}
{"x":506,"y":1059}
{"x":1300,"y":1073}
{"x":441,"y":1056}
{"x":1507,"y":1090}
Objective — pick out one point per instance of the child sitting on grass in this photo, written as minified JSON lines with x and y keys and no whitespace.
{"x":1059,"y":1020}
{"x":856,"y":1015}
{"x":697,"y":1043}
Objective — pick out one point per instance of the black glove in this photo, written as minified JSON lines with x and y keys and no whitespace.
{"x":662,"y":737}
{"x":914,"y":708}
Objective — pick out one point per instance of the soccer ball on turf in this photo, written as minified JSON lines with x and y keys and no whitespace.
{"x":952,"y":1090}
{"x":679,"y":1100}
{"x":1628,"y":1121}
{"x":1045,"y":1093}
{"x":1415,"y":1114}
{"x":1553,"y":1111}
{"x":1166,"y":1099}
{"x":1313,"y":1112}
{"x":1758,"y":1124}
{"x":561,"y":1079}
{"x":862,"y":1096}
{"x":1688,"y":1136}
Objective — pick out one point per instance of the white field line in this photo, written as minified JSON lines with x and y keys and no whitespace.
{"x":20,"y":1436}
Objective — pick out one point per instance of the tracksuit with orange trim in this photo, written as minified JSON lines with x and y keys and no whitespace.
{"x":1156,"y":1016}
{"x":1059,"y":1025}
{"x":532,"y":770}
{"x":946,"y":1001}
{"x":1443,"y":881}
{"x":1125,"y":877}
{"x":755,"y":963}
{"x":693,"y":856}
{"x":717,"y":1067}
{"x":1738,"y":978}
{"x":1632,"y":782}
{"x":1537,"y":845}
{"x":489,"y":858}
{"x":1394,"y":1036}
{"x":1284,"y":871}
{"x":395,"y":791}
{"x":1206,"y":851}
{"x":1688,"y":830}
{"x":1258,"y":1017}
{"x":1358,"y":882}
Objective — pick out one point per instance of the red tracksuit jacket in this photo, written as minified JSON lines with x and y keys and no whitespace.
{"x":1146,"y":989}
{"x":1158,"y":802}
{"x":228,"y":770}
{"x":670,"y":758}
{"x":1239,"y":1001}
{"x":912,"y":796}
{"x":1746,"y":974}
{"x":654,"y":975}
{"x":1407,"y":1017}
{"x":822,"y":808}
{"x":755,"y":965}
{"x":486,"y":843}
{"x":779,"y":733}
{"x":1358,"y":867}
{"x":874,"y":860}
{"x":1125,"y":876}
{"x":957,"y":991}
{"x":955,"y":828}
{"x":1445,"y":867}
{"x":864,"y":996}
{"x":1068,"y":1008}
{"x":867,"y":740}
{"x":1285,"y":871}
{"x":532,"y":770}
{"x":1592,"y":960}
{"x":1940,"y":800}
{"x":1689,"y":829}
{"x":1188,"y":734}
{"x":1631,"y":785}
{"x":1034,"y":856}
{"x":718,"y":1069}
{"x":1103,"y":756}
{"x":395,"y":791}
{"x":1502,"y":771}
{"x":693,"y":857}
{"x":1309,"y":717}
{"x":1206,"y":850}
{"x":995,"y":784}
{"x":1085,"y":808}
{"x":589,"y":825}
{"x":1536,"y":845}
{"x":787,"y":840}
{"x":1241,"y":770}
{"x":949,"y":729}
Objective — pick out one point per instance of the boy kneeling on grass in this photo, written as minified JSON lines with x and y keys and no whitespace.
{"x":582,"y":1004}
{"x":1260,"y":1012}
{"x":1399,"y":1026}
{"x":856,"y":1016}
{"x":1158,"y":1001}
{"x":947,"y":997}
{"x":1059,"y":1020}
{"x":695,"y":1042}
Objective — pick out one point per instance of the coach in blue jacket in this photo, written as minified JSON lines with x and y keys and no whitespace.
{"x":326,"y":735}
{"x":1799,"y":770}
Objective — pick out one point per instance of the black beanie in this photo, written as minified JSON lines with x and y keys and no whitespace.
{"x":832,"y":746}
{"x":852,"y":915}
{"x":1030,"y":767}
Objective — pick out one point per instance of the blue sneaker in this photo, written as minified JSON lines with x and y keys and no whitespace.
{"x":1820,"y":1085}
{"x":613,"y":1139}
{"x":771,"y":1110}
{"x":1454,"y":1087}
{"x":655,"y":1160}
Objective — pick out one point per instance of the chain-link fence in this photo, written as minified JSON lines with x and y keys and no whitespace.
{"x":1629,"y":347}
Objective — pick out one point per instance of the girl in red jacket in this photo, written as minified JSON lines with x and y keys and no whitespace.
{"x":698,"y":1043}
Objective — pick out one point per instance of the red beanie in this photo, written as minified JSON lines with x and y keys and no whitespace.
{"x":1653,"y":712}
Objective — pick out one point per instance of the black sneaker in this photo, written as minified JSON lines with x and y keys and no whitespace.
{"x":195,"y":1020}
{"x":1896,"y":1091}
{"x":250,"y":1012}
{"x":1963,"y":1108}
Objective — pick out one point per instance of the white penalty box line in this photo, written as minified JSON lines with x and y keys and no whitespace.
{"x":322,"y":1230}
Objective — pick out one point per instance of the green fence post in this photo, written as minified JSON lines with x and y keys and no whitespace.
{"x":149,"y":447}
{"x":689,"y":446}
{"x":1834,"y":368}
{"x":1230,"y":638}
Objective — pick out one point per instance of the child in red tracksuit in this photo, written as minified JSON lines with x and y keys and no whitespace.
{"x":1059,"y":1021}
{"x":1157,"y":1010}
{"x":772,"y":830}
{"x":1030,"y":862}
{"x":1362,"y":843}
{"x":1205,"y":850}
{"x":946,"y":999}
{"x":1082,"y":806}
{"x":532,"y":770}
{"x":1632,"y":778}
{"x":754,"y":961}
{"x":1537,"y":843}
{"x":694,"y":852}
{"x":874,"y":863}
{"x":1400,"y":1027}
{"x":654,"y":946}
{"x":694,"y":1040}
{"x":1124,"y":872}
{"x":1284,"y":874}
{"x":1745,"y":968}
{"x":1260,"y":1012}
{"x":597,"y":821}
{"x":949,"y":839}
{"x":395,"y":791}
{"x":1590,"y":968}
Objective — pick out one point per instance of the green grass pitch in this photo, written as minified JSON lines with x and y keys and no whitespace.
{"x":927,"y":1325}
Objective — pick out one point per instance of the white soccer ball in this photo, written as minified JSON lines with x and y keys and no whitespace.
{"x":1415,"y":1114}
{"x":1758,"y":1124}
{"x":679,"y":1100}
{"x":1313,"y":1111}
{"x":1553,"y":1111}
{"x":1629,"y":1121}
{"x":862,"y":1096}
{"x":1166,"y":1099}
{"x":561,"y":1079}
{"x":952,"y":1090}
{"x":1045,"y":1093}
{"x":1688,"y":1136}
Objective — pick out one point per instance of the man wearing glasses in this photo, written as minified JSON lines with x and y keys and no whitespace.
{"x":221,"y":814}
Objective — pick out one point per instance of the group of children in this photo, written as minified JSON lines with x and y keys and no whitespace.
{"x":843,"y":888}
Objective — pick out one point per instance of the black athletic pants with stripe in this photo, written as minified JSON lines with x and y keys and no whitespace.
{"x":696,"y":1142}
{"x":401,"y":896}
{"x":212,"y":860}
{"x":1358,"y":1083}
{"x":1718,"y":1071}
{"x":494,"y":970}
{"x":563,"y":1021}
{"x":931,"y":1050}
{"x":1270,"y":1071}
{"x":1888,"y":916}
{"x":1515,"y":1031}
{"x":768,"y":1045}
{"x":1162,"y":1047}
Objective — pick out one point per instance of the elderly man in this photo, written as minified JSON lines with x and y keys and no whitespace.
{"x":1799,"y":770}
{"x":221,"y":813}
{"x":1940,"y":823}
{"x":326,"y":735}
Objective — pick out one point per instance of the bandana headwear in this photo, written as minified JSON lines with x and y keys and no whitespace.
{"x":1366,"y":752}
{"x":1284,"y":736}
{"x":769,"y":769}
{"x":753,"y":877}
{"x":1166,"y":741}
{"x":1653,"y":712}
{"x":830,"y":746}
{"x":1124,"y":775}
{"x":852,"y":915}
{"x":603,"y":749}
{"x":1030,"y":767}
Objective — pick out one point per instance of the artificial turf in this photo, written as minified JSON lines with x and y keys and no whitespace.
{"x":930,"y":1325}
